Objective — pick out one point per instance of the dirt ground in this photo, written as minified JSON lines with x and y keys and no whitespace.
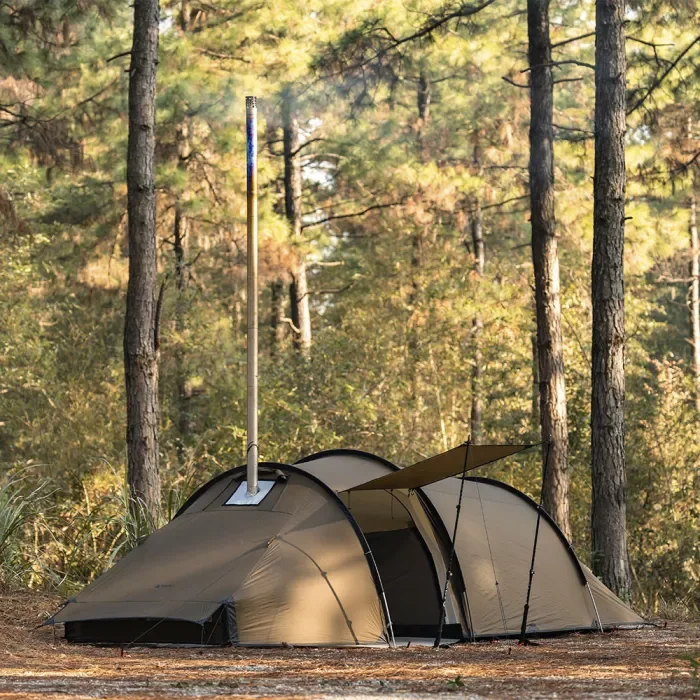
{"x":644,"y":663}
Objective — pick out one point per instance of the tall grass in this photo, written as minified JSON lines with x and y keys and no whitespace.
{"x":20,"y":510}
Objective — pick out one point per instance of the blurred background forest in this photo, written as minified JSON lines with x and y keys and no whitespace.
{"x":412,"y":243}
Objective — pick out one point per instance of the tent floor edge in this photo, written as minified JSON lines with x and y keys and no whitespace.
{"x":148,"y":631}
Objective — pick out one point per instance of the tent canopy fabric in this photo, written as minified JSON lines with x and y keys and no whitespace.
{"x":442,"y":466}
{"x":319,"y":563}
{"x":290,"y":570}
{"x":493,"y":549}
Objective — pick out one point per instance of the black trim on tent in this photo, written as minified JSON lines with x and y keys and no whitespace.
{"x":431,"y":512}
{"x":214,"y":480}
{"x":147,"y":630}
{"x":360,"y":535}
{"x":545,"y":515}
{"x":231,"y":622}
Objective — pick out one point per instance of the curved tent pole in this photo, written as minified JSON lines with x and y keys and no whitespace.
{"x":448,"y":572}
{"x":526,"y":609}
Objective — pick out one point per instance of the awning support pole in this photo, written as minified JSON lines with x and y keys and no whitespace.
{"x":595,"y":607}
{"x":526,"y":609}
{"x":251,"y":118}
{"x":448,"y":573}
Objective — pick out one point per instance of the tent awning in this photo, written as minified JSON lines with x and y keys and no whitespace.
{"x":442,"y":466}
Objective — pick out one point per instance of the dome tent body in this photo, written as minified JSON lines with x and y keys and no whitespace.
{"x":318,"y":563}
{"x":291,"y":570}
{"x":493,"y":547}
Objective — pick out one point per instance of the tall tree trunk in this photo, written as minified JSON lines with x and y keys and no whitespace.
{"x":545,"y":259}
{"x":180,"y":230}
{"x":276,"y":316}
{"x":181,"y":395}
{"x":423,"y":100}
{"x":298,"y":289}
{"x":185,"y":15}
{"x":477,"y":330}
{"x":140,"y":331}
{"x":695,"y":293}
{"x":413,"y":296}
{"x":535,"y":398}
{"x":608,"y":513}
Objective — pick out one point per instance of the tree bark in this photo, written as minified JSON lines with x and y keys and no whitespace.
{"x":476,"y":421}
{"x":545,"y":259}
{"x":185,"y":15}
{"x":276,"y":316}
{"x":181,"y":395}
{"x":695,"y":293}
{"x":608,"y":513}
{"x":140,"y":332}
{"x":535,"y":402}
{"x":298,"y":289}
{"x":180,"y":239}
{"x":423,"y":99}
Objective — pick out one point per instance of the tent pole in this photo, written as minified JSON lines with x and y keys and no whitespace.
{"x":251,"y":114}
{"x":448,"y":572}
{"x":526,"y":609}
{"x":595,"y":607}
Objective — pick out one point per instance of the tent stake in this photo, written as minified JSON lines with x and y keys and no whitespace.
{"x":251,"y":114}
{"x":526,"y":609}
{"x":448,"y":572}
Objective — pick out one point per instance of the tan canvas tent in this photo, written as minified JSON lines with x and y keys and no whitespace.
{"x":320,"y":562}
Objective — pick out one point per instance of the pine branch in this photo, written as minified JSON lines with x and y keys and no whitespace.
{"x":337,"y":217}
{"x":305,"y":144}
{"x":683,"y":167}
{"x":223,"y":56}
{"x":329,"y":291}
{"x":498,"y":204}
{"x":573,"y":128}
{"x":662,"y":77}
{"x":569,"y":41}
{"x":566,"y":80}
{"x":514,"y":84}
{"x":434,"y":23}
{"x":559,"y":64}
{"x":119,"y":55}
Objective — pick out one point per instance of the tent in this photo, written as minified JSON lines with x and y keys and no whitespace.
{"x":337,"y":552}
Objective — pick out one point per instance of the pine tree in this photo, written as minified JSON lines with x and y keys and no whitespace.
{"x":141,"y":327}
{"x":545,"y":259}
{"x":609,"y":498}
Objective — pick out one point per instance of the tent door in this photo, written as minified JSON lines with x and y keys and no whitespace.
{"x":409,"y":579}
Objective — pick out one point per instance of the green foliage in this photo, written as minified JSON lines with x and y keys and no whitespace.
{"x":20,"y":512}
{"x":456,"y":683}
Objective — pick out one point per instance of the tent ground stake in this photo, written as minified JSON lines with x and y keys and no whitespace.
{"x":526,"y":609}
{"x":448,"y":572}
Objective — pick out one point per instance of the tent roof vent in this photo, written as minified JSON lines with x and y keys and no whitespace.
{"x":241,"y":497}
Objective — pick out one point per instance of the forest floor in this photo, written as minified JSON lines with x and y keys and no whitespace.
{"x":34,"y":665}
